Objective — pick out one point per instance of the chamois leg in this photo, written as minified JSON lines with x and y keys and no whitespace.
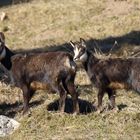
{"x":63,"y":95}
{"x":31,"y":93}
{"x":100,"y":97}
{"x":74,"y":94}
{"x":111,"y":96}
{"x":26,"y":98}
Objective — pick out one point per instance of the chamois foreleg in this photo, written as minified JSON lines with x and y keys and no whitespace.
{"x":26,"y":98}
{"x":100,"y":97}
{"x":31,"y":93}
{"x":111,"y":96}
{"x":74,"y":94}
{"x":63,"y":95}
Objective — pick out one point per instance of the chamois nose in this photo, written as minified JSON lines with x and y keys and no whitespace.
{"x":75,"y":59}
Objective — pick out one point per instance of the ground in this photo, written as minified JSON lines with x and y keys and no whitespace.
{"x":39,"y":25}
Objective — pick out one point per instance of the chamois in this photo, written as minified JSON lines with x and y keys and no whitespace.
{"x":108,"y":74}
{"x":50,"y":70}
{"x":4,"y":51}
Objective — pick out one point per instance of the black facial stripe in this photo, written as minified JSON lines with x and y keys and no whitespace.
{"x":81,"y":53}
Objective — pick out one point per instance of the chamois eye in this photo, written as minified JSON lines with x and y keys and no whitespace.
{"x":82,"y":51}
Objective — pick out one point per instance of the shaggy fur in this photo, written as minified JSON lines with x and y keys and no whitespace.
{"x":109,"y":74}
{"x":51,"y":70}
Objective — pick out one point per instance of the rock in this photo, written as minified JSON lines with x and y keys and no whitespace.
{"x":3,"y":16}
{"x":7,"y":125}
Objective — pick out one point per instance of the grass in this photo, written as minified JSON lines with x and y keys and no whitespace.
{"x":43,"y":23}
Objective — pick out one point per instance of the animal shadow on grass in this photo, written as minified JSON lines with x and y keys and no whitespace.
{"x":11,"y":110}
{"x":121,"y":106}
{"x":131,"y":39}
{"x":11,"y":2}
{"x":84,"y":106}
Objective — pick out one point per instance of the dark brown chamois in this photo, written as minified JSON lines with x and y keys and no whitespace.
{"x":108,"y":74}
{"x":4,"y":51}
{"x":51,"y":70}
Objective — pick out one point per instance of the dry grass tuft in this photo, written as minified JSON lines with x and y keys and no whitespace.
{"x":43,"y":23}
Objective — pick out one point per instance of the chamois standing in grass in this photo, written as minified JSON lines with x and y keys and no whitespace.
{"x":108,"y":74}
{"x":51,"y":70}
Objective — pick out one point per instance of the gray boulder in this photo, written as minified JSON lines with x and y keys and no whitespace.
{"x":7,"y":125}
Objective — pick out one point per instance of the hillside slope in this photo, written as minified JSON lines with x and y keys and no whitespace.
{"x":44,"y":23}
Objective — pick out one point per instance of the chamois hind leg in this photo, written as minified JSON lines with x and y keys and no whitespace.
{"x":111,"y":96}
{"x":26,"y":98}
{"x":100,"y":97}
{"x":31,"y":93}
{"x":74,"y":94}
{"x":63,"y":95}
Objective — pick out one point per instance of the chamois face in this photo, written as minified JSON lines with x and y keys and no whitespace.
{"x":2,"y":46}
{"x":80,"y":53}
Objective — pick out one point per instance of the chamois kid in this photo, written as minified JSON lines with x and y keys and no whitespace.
{"x":108,"y":74}
{"x":52,"y":70}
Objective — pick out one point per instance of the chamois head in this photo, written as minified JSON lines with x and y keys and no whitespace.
{"x":80,"y":50}
{"x":2,"y":46}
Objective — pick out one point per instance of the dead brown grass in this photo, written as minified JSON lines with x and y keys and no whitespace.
{"x":44,"y":23}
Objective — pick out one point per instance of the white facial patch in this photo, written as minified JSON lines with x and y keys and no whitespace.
{"x":3,"y":54}
{"x":76,"y":52}
{"x":83,"y":57}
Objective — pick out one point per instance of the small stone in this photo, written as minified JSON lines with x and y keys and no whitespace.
{"x":3,"y":16}
{"x":7,"y":125}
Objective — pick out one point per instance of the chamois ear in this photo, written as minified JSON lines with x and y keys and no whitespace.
{"x":72,"y":44}
{"x":83,"y":42}
{"x":2,"y":37}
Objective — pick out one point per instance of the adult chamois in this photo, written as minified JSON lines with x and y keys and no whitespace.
{"x":108,"y":74}
{"x":50,"y":70}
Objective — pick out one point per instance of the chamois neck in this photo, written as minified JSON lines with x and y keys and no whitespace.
{"x":6,"y":61}
{"x":91,"y":59}
{"x":85,"y":63}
